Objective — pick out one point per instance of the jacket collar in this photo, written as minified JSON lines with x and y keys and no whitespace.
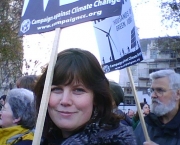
{"x":10,"y":134}
{"x":171,"y":128}
{"x":153,"y":120}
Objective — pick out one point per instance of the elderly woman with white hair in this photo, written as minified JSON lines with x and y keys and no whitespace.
{"x":17,"y":118}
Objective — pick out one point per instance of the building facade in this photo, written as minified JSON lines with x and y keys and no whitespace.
{"x":155,"y":58}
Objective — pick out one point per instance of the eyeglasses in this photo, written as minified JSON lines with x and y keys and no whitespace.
{"x":158,"y":91}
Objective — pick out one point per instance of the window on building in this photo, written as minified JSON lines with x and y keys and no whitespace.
{"x":153,"y":53}
{"x":134,"y":102}
{"x":153,"y":65}
{"x":129,"y":91}
{"x":145,"y":91}
{"x":134,"y":70}
{"x":130,"y":101}
{"x":148,"y":83}
{"x":127,"y":101}
{"x":128,"y":84}
{"x":173,"y":54}
{"x":172,"y":64}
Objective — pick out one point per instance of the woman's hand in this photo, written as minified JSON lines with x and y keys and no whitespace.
{"x":150,"y":143}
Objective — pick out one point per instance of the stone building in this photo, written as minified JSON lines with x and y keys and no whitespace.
{"x":157,"y":56}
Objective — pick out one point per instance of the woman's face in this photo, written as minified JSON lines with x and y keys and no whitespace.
{"x":146,"y":109}
{"x":6,"y":116}
{"x":70,"y":107}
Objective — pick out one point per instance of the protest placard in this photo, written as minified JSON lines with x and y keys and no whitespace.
{"x":45,"y":15}
{"x":118,"y":41}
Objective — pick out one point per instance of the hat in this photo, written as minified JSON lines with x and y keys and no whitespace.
{"x":117,"y":92}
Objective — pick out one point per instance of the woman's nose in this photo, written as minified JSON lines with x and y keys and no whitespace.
{"x":66,"y":99}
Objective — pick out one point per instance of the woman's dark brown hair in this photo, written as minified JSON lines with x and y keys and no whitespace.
{"x":142,"y":104}
{"x":81,"y":66}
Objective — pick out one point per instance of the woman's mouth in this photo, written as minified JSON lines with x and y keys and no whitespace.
{"x":66,"y":113}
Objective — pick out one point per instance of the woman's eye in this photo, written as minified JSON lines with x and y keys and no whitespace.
{"x":56,"y":90}
{"x":79,"y":90}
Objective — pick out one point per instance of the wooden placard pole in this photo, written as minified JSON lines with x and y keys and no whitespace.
{"x":138,"y":105}
{"x":46,"y":91}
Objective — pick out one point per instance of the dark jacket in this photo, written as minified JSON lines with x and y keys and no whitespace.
{"x":94,"y":135}
{"x":135,"y":122}
{"x":162,"y":134}
{"x":126,"y":121}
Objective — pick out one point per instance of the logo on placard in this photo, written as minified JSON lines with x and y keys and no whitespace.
{"x":25,"y":26}
{"x":106,"y":68}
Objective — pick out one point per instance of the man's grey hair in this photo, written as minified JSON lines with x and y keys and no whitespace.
{"x":174,"y":78}
{"x":23,"y":106}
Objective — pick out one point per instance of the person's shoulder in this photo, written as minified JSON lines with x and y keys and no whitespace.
{"x":124,"y":128}
{"x":24,"y":142}
{"x":120,"y":112}
{"x":126,"y":133}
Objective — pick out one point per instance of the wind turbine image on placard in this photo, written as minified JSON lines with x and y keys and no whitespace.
{"x":109,"y":40}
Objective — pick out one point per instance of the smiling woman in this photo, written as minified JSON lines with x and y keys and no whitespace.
{"x":80,"y":107}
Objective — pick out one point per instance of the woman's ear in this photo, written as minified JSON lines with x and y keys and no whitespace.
{"x":16,"y":120}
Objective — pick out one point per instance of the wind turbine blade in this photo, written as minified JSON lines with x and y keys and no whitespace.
{"x":109,"y":30}
{"x":101,"y":30}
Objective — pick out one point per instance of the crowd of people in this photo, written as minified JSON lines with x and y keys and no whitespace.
{"x":83,"y":107}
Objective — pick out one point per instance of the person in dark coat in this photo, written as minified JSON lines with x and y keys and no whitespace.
{"x":163,"y":123}
{"x":80,"y":110}
{"x":118,"y":97}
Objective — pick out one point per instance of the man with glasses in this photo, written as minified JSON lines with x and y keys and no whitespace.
{"x":163,"y":123}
